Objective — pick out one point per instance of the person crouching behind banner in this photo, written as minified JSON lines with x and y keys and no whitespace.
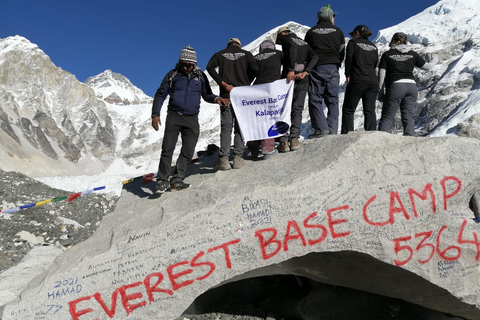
{"x":269,"y":61}
{"x":185,"y":84}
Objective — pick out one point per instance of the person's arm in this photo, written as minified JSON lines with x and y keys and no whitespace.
{"x":381,"y":81}
{"x":290,"y":56}
{"x":431,"y":64}
{"x":159,"y":99}
{"x":252,"y":67}
{"x":209,"y":96}
{"x":212,"y":66}
{"x":342,"y":48}
{"x":349,"y":59}
{"x":312,"y":59}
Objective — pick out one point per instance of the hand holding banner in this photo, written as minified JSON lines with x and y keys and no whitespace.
{"x":263,"y":110}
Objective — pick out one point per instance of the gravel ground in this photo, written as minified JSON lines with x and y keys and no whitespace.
{"x":61,"y":223}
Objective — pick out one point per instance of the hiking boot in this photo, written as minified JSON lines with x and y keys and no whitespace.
{"x":161,"y":187}
{"x":180,"y":185}
{"x":294,"y":144}
{"x":331,"y":131}
{"x":318,"y":134}
{"x":267,"y":156}
{"x":254,"y":153}
{"x":238,"y":162}
{"x":222,"y":164}
{"x":283,"y":147}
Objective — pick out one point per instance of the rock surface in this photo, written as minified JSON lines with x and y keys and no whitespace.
{"x":376,"y":212}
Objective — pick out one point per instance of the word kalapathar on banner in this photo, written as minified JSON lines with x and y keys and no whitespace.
{"x":263,"y":111}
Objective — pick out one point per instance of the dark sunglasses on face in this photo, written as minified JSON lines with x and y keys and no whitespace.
{"x":186,"y":65}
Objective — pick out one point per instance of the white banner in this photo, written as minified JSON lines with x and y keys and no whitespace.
{"x":263,"y":110}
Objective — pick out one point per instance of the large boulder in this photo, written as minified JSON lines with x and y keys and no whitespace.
{"x":381,"y":213}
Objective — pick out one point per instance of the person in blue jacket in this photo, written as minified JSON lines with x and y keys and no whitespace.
{"x":185,"y":85}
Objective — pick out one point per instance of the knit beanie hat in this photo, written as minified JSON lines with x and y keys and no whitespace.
{"x":188,"y":55}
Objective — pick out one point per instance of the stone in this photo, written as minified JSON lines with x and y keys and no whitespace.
{"x":370,"y":211}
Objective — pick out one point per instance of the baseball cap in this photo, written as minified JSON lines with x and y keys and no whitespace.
{"x":326,"y":12}
{"x":232,"y":40}
{"x":360,"y":28}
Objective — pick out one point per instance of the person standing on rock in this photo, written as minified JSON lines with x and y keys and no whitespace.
{"x":328,"y":41}
{"x":396,"y":71}
{"x":236,"y":67}
{"x":185,"y":84}
{"x":269,"y":61}
{"x":298,"y":61}
{"x":362,"y":82}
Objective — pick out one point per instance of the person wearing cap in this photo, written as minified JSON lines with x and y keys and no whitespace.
{"x":362,"y":82}
{"x":269,"y":61}
{"x":396,"y":72}
{"x":328,"y":41}
{"x":185,"y":84}
{"x":236,"y":67}
{"x":298,"y":61}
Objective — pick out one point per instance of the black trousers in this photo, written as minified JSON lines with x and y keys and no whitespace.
{"x":356,"y":91}
{"x":188,"y":127}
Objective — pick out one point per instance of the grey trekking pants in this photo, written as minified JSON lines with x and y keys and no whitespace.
{"x":228,"y":122}
{"x":324,"y":86}
{"x":403,"y":95}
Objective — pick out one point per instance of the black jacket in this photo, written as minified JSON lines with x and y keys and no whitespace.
{"x":361,"y":60}
{"x":236,"y":66}
{"x":269,"y":65}
{"x":399,"y":63}
{"x":328,"y":42}
{"x":297,"y":54}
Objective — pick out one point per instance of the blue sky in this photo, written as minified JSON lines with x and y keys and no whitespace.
{"x":142,"y":39}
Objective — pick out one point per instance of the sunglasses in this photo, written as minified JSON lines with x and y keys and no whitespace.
{"x":186,"y":65}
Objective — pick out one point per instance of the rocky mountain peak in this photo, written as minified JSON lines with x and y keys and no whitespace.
{"x":116,"y":89}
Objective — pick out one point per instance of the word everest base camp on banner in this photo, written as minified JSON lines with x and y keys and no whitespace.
{"x":263,"y":111}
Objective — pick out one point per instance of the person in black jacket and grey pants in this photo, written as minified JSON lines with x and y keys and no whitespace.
{"x":328,"y":42}
{"x":362,"y":82}
{"x":236,"y":67}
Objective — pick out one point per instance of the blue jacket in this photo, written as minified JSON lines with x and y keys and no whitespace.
{"x":185,"y":92}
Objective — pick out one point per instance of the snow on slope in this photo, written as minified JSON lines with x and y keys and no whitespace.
{"x":445,"y":22}
{"x":115,"y":88}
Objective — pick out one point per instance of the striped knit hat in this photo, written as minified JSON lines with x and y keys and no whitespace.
{"x":188,"y":55}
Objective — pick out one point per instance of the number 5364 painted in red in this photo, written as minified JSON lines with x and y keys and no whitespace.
{"x":450,"y":253}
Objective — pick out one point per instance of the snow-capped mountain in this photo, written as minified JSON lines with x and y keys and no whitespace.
{"x":54,"y":125}
{"x":116,"y":89}
{"x":51,"y":123}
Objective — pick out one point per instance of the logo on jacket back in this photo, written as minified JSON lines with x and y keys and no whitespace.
{"x":324,"y":30}
{"x":299,"y":42}
{"x":233,"y":56}
{"x":265,"y":56}
{"x":401,"y":57}
{"x":367,"y":47}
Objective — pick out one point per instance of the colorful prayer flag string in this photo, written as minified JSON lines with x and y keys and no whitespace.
{"x":57,"y":199}
{"x":145,"y":178}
